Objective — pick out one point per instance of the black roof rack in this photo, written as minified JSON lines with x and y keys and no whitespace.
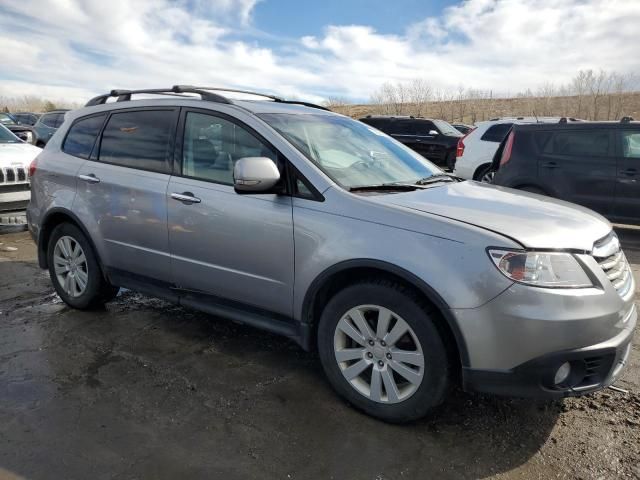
{"x":206,"y":94}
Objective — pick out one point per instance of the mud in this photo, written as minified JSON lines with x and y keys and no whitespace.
{"x":145,"y":389}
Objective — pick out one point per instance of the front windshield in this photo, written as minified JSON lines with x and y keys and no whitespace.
{"x":350,"y":152}
{"x":7,"y":137}
{"x":6,"y":119}
{"x":447,"y":129}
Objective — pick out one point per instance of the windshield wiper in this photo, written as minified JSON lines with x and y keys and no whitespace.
{"x":438,"y":177}
{"x":385,"y":187}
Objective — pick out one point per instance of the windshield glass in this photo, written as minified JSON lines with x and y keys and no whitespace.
{"x":7,"y":137}
{"x":447,"y":129}
{"x":350,"y":152}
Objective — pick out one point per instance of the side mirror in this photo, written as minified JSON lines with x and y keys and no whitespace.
{"x":433,"y":133}
{"x":255,"y":175}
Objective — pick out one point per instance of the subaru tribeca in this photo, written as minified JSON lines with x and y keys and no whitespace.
{"x":291,"y":218}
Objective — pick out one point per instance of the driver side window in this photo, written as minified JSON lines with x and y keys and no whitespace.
{"x":212,"y":145}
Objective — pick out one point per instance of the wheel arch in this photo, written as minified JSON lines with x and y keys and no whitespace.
{"x":480,"y":169}
{"x":52,"y":219}
{"x":333,"y":278}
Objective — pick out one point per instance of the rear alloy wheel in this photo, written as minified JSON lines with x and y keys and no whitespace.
{"x":486,"y":175}
{"x":74,"y":269}
{"x":70,"y":264}
{"x":382,"y":351}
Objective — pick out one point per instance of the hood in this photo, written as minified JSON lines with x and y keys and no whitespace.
{"x":12,"y":154}
{"x":532,"y":220}
{"x":20,"y":128}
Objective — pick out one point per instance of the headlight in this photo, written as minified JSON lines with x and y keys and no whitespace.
{"x":541,"y":269}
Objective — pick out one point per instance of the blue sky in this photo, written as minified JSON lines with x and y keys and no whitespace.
{"x":74,"y":49}
{"x":386,"y":16}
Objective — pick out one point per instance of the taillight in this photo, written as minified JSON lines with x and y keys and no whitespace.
{"x":506,"y":153}
{"x":460,"y":149}
{"x":32,"y":167}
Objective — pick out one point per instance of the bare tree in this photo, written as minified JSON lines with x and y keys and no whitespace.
{"x":419,"y":94}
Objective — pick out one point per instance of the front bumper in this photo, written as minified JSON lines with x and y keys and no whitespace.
{"x":15,"y":198}
{"x":592,"y":368}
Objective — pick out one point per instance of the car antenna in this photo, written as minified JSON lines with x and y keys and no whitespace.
{"x":535,"y":116}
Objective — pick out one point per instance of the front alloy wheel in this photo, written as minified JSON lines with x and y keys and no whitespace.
{"x":381,"y":347}
{"x":379,"y":354}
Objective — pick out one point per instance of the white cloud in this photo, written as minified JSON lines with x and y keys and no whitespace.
{"x":77,"y":48}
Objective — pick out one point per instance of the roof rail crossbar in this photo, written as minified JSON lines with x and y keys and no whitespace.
{"x":125,"y":95}
{"x":206,"y":93}
{"x":234,"y":90}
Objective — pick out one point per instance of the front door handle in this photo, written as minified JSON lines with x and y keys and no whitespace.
{"x":186,"y":197}
{"x":630,"y":172}
{"x":91,"y":178}
{"x":550,"y":165}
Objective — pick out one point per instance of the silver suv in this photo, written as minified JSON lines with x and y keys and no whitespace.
{"x":297,"y":220}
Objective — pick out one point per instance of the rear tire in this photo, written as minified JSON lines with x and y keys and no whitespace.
{"x":74,"y":269}
{"x":397,"y":380}
{"x":485,"y":174}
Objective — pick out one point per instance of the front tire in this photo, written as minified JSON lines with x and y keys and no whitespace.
{"x":74,"y":269}
{"x":381,"y":350}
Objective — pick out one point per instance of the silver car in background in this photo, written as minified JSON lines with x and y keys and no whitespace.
{"x":286,"y":216}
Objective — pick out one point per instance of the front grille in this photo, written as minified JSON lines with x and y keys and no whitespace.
{"x":611,"y":258}
{"x":13,"y":174}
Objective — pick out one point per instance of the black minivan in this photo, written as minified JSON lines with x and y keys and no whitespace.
{"x":435,"y":140}
{"x":594,"y":164}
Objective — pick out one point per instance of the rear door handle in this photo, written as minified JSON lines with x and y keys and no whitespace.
{"x":550,"y":165}
{"x":630,"y":172}
{"x":91,"y":178}
{"x":186,"y":197}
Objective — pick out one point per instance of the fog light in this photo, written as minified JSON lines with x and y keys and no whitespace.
{"x":563,"y":373}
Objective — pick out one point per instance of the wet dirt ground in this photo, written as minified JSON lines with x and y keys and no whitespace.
{"x":144,"y":389}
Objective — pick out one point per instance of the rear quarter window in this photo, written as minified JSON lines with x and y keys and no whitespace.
{"x":585,"y":143}
{"x":496,"y":133}
{"x":139,"y":139}
{"x":82,"y":136}
{"x":50,"y":120}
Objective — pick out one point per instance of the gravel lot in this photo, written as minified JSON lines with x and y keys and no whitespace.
{"x":144,"y":389}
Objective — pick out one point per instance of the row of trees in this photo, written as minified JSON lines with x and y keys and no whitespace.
{"x":590,"y":95}
{"x":32,"y":103}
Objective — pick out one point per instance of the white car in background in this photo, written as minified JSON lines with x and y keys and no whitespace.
{"x":475,"y":150}
{"x":15,"y":158}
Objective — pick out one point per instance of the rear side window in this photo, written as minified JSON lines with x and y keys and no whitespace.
{"x":586,"y":143}
{"x":82,"y":136}
{"x":631,"y":144}
{"x":53,"y":120}
{"x":138,"y":139}
{"x":496,"y":133}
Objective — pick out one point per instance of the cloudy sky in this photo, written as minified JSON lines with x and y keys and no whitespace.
{"x":74,"y":49}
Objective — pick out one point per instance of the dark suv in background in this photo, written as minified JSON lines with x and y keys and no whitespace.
{"x":594,"y":164}
{"x":435,"y":140}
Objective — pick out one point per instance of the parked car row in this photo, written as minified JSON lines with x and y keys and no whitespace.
{"x":32,"y":127}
